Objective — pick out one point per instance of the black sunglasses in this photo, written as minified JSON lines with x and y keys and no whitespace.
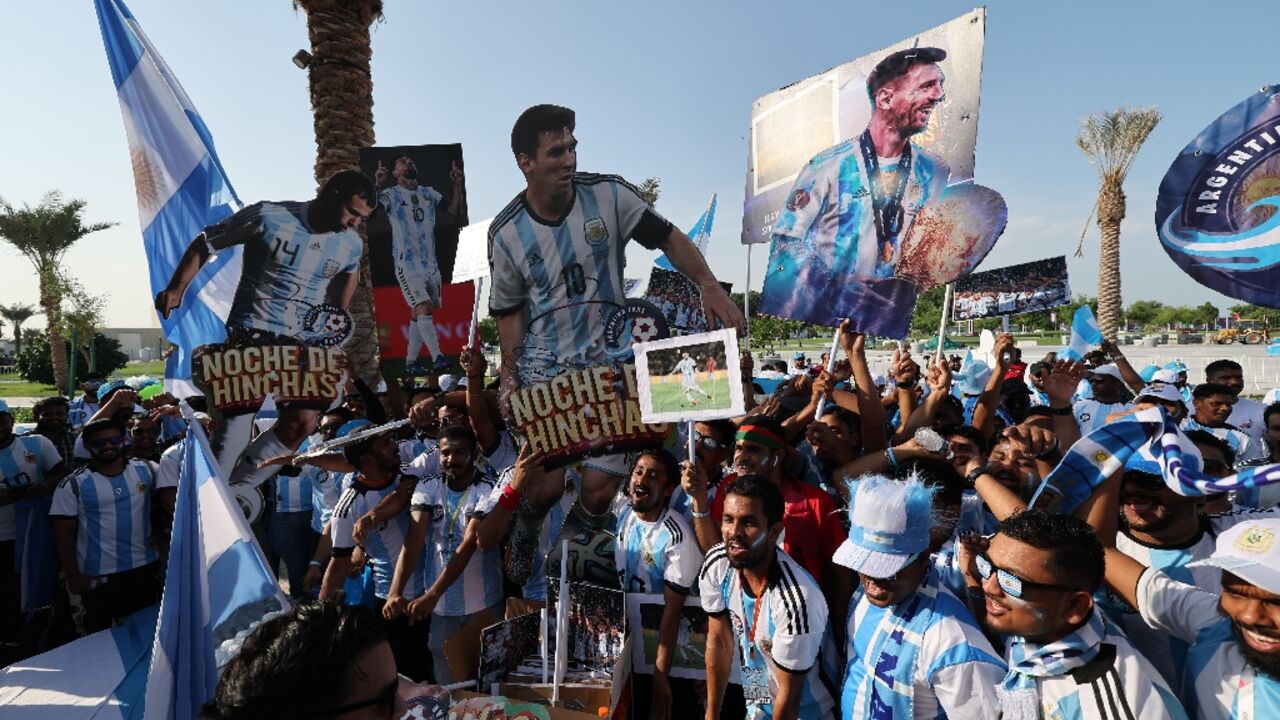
{"x":706,"y":441}
{"x":114,"y":440}
{"x":386,"y":698}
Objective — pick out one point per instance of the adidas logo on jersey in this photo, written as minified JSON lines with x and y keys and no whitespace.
{"x":535,"y":259}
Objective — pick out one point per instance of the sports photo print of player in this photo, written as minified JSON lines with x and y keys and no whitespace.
{"x":689,"y":378}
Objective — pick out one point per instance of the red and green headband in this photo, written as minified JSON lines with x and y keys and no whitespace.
{"x":760,"y":435}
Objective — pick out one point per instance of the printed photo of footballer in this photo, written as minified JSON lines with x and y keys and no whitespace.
{"x":689,"y":378}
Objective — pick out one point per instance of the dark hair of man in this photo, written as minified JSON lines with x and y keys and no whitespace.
{"x":724,"y":430}
{"x":897,"y":64}
{"x":459,"y":433}
{"x":1270,"y":410}
{"x":414,"y":392}
{"x":343,"y":414}
{"x":1208,"y":390}
{"x":92,"y":376}
{"x":759,"y":488}
{"x":668,"y":463}
{"x":1204,"y":437}
{"x":1040,"y":366}
{"x":955,"y":403}
{"x":356,"y":450}
{"x":847,"y":417}
{"x":1218,"y":366}
{"x":535,"y":121}
{"x":43,"y":403}
{"x":296,"y":664}
{"x":346,"y":184}
{"x":940,"y":474}
{"x":970,"y":433}
{"x":97,"y":426}
{"x":1075,"y":555}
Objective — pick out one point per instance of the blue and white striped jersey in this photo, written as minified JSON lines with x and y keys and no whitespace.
{"x":954,"y":670}
{"x":651,"y":556}
{"x":287,"y":267}
{"x":293,"y":494}
{"x":1218,"y":682}
{"x":326,"y":489}
{"x":80,"y":411}
{"x":24,"y":461}
{"x":1166,"y":652}
{"x":1117,"y":684}
{"x":114,"y":513}
{"x":449,"y":511}
{"x":412,"y":214}
{"x":565,"y":274}
{"x":1242,"y":445}
{"x":413,"y":448}
{"x":1091,"y":414}
{"x":793,"y":622}
{"x":381,"y":547}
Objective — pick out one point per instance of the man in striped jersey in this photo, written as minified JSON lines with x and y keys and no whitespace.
{"x":657,"y":552}
{"x":1066,"y":660}
{"x":411,"y":209}
{"x":101,"y":518}
{"x":1233,"y":665}
{"x":913,"y":649}
{"x":297,"y":256}
{"x":445,"y":512}
{"x":556,"y":255}
{"x":763,"y":604}
{"x":378,"y":463}
{"x":1211,"y":405}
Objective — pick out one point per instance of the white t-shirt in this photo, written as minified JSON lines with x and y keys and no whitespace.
{"x":24,"y":462}
{"x":1246,"y":416}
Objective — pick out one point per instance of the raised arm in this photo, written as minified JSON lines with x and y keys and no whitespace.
{"x":984,"y":412}
{"x":694,"y":482}
{"x":1131,"y":376}
{"x":474,"y":364}
{"x":1060,"y":386}
{"x":193,"y":258}
{"x":939,"y":389}
{"x":870,"y":411}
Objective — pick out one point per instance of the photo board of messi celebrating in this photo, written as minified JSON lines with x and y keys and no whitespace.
{"x":860,"y":178}
{"x":423,"y":319}
{"x":1012,"y":290}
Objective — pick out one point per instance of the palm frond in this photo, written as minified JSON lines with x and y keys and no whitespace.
{"x":1111,"y":139}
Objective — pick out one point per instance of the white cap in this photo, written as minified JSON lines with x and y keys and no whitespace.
{"x":1250,"y":550}
{"x":889,"y":525}
{"x":1161,"y":391}
{"x":1165,"y":376}
{"x":1109,"y":370}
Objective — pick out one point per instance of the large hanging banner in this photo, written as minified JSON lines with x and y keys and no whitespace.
{"x":859,"y":177}
{"x":1024,"y":288}
{"x":413,"y":241}
{"x":1217,"y":208}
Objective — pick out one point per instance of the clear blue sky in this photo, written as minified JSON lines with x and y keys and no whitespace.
{"x":661,"y":89}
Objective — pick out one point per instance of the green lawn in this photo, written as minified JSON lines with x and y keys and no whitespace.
{"x":669,"y":397}
{"x":12,"y":385}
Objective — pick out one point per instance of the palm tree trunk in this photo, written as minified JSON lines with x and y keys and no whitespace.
{"x":342,"y":104}
{"x":52,"y":304}
{"x":17,"y":339}
{"x":1111,"y":209}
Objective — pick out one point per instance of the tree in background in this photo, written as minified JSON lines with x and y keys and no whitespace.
{"x":1111,"y":141}
{"x":17,"y":314}
{"x":44,"y":234}
{"x":650,"y":190}
{"x":34,"y":363}
{"x":1142,"y":313}
{"x":342,"y":104}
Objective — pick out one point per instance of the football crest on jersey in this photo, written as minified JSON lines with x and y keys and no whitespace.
{"x":595,"y":230}
{"x":437,"y":513}
{"x":330,"y":268}
{"x":413,"y":199}
{"x":142,"y":487}
{"x":30,"y":457}
{"x":1255,"y":540}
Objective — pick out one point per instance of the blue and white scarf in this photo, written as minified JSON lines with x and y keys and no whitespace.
{"x":1096,"y":456}
{"x":1019,"y":696}
{"x":893,"y":651}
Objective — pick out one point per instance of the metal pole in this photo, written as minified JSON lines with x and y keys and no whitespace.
{"x":746,"y":300}
{"x":942,"y":326}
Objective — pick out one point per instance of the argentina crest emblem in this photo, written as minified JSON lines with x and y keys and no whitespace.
{"x":595,"y":231}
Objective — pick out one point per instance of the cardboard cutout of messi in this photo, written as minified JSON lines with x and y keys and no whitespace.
{"x":1218,"y":210}
{"x":413,"y":240}
{"x":884,"y":209}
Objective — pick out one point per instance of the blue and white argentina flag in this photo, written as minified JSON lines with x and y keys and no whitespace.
{"x":699,"y":234}
{"x":181,"y":185}
{"x":1085,"y":334}
{"x":216,"y":590}
{"x":217,"y":587}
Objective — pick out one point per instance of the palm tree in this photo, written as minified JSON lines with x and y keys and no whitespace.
{"x":1111,"y":141}
{"x":44,"y":234}
{"x":16,"y":314}
{"x":342,"y":103}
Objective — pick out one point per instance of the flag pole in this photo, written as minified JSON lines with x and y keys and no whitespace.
{"x":475,"y":313}
{"x":746,"y":300}
{"x":942,"y":326}
{"x":831,"y":366}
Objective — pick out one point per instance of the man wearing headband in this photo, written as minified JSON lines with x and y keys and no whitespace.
{"x":762,"y":605}
{"x":913,"y":648}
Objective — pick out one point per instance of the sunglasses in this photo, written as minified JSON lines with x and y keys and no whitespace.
{"x":386,"y":698}
{"x":330,"y":429}
{"x":113,"y":441}
{"x":706,"y":441}
{"x":1011,"y":584}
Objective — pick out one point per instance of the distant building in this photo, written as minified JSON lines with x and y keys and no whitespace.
{"x":138,"y":343}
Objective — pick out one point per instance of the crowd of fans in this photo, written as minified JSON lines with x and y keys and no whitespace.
{"x":878,"y":561}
